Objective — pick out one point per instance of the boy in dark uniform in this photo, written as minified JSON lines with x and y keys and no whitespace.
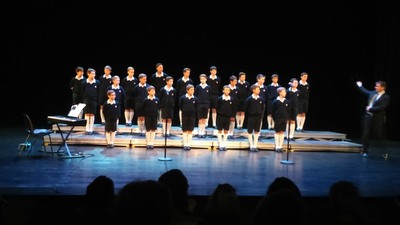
{"x":105,"y":82}
{"x":225,"y":112}
{"x":140,"y":93}
{"x":271,"y":94}
{"x":244,"y":88}
{"x":188,"y":104}
{"x":119,"y":92}
{"x":263,"y":92}
{"x":293,"y":96}
{"x":90,"y":90}
{"x":157,"y":80}
{"x":112,"y":112}
{"x":151,"y":105}
{"x":167,"y":105}
{"x":214,"y":82}
{"x":254,"y":108}
{"x":304,"y":88}
{"x":129,"y":83}
{"x":75,"y":85}
{"x":181,"y":88}
{"x":280,"y":114}
{"x":234,"y":93}
{"x":203,"y":94}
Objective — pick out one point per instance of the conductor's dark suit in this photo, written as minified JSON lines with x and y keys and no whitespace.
{"x":374,"y":121}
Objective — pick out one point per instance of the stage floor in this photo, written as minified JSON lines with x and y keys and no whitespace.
{"x":249,"y":172}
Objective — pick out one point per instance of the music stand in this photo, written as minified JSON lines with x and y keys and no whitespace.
{"x":287,"y":161}
{"x":165,"y":158}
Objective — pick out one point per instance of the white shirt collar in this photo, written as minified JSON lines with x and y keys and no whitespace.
{"x":110,"y":102}
{"x":255,"y":96}
{"x":226,"y":98}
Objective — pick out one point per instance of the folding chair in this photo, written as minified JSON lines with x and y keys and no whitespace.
{"x":34,"y":133}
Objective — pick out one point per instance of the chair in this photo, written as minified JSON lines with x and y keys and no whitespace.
{"x":35,"y":134}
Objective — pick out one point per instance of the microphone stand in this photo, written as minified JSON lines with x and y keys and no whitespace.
{"x":165,"y":158}
{"x":130,"y":141}
{"x":287,"y":161}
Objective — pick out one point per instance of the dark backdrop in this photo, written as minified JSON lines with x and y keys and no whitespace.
{"x":336,"y":42}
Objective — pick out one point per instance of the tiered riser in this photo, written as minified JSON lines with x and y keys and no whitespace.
{"x":130,"y":138}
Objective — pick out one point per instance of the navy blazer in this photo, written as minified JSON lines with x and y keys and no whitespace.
{"x":378,"y":108}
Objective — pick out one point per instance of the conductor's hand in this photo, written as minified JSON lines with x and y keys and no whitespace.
{"x":359,"y":83}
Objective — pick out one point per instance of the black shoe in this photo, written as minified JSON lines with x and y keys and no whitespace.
{"x":292,"y":139}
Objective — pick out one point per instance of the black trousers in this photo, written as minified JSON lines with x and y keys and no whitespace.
{"x":372,"y":128}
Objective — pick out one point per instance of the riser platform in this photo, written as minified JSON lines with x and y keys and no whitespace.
{"x":129,"y":137}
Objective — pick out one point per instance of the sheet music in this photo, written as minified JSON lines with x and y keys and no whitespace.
{"x":76,"y":110}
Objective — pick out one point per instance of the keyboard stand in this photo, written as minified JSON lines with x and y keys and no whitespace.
{"x":65,"y":144}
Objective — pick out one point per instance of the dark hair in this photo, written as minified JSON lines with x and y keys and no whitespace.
{"x":202,"y":75}
{"x":254,"y":86}
{"x":78,"y":69}
{"x":274,"y":75}
{"x":142,"y":75}
{"x":151,"y":87}
{"x":260,"y":75}
{"x":158,"y":64}
{"x":382,"y":83}
{"x":280,"y":89}
{"x":241,"y":73}
{"x":189,"y":86}
{"x":109,"y":92}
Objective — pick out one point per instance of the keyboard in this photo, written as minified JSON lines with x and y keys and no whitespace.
{"x":67,"y":120}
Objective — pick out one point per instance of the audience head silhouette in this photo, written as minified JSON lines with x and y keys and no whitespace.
{"x":223,"y":206}
{"x":144,"y":202}
{"x":223,"y":200}
{"x":282,"y":204}
{"x":281,"y":183}
{"x":280,"y":207}
{"x":100,"y":192}
{"x":178,"y":184}
{"x":345,"y":201}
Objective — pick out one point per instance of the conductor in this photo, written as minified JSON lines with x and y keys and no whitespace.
{"x":374,"y":119}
